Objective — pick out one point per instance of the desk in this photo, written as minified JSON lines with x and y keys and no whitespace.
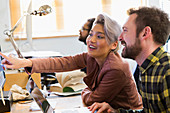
{"x":61,"y":103}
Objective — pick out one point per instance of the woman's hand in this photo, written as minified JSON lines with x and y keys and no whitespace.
{"x":12,"y":62}
{"x":102,"y":108}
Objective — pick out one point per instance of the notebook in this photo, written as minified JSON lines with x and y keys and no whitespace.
{"x":45,"y":105}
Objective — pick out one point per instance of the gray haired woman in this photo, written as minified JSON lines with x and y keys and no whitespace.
{"x":109,"y":78}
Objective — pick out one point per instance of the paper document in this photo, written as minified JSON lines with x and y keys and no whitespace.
{"x":35,"y":107}
{"x":2,"y":96}
{"x":73,"y":110}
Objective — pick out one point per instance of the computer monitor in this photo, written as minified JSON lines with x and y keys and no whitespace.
{"x":2,"y":74}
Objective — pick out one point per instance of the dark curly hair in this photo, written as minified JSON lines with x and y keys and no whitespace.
{"x":156,"y":19}
{"x":91,"y":20}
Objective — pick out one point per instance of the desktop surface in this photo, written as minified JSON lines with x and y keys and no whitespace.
{"x":61,"y":103}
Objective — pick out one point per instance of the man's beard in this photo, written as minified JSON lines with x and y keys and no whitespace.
{"x":132,"y":51}
{"x":82,"y":39}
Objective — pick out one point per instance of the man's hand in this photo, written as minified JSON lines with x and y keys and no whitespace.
{"x":102,"y":108}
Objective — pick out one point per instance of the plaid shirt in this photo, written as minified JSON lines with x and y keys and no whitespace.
{"x":154,"y":82}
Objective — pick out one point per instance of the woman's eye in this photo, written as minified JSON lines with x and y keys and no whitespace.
{"x":99,"y":37}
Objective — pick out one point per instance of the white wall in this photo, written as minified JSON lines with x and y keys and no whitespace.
{"x":66,"y":46}
{"x":4,"y":21}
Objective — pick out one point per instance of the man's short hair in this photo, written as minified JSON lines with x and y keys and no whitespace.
{"x":156,"y":19}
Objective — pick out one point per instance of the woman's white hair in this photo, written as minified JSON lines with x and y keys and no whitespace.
{"x":111,"y":28}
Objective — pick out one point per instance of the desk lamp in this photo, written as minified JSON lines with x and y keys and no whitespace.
{"x":43,"y":10}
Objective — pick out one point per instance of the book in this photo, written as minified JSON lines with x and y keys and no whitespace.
{"x":69,"y":82}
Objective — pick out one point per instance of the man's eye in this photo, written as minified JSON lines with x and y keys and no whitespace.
{"x":124,"y":30}
{"x":90,"y":34}
{"x":85,"y":29}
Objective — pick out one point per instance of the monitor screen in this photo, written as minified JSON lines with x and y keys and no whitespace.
{"x":39,"y":97}
{"x":2,"y":74}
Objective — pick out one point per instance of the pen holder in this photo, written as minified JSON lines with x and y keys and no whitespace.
{"x":8,"y":102}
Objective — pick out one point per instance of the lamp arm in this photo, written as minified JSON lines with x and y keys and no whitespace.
{"x":43,"y":10}
{"x":18,"y":22}
{"x":15,"y":46}
{"x":9,"y":33}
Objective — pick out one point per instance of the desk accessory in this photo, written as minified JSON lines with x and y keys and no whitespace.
{"x":8,"y":102}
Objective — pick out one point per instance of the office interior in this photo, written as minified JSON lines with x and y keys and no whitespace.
{"x":61,"y":37}
{"x":67,"y":43}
